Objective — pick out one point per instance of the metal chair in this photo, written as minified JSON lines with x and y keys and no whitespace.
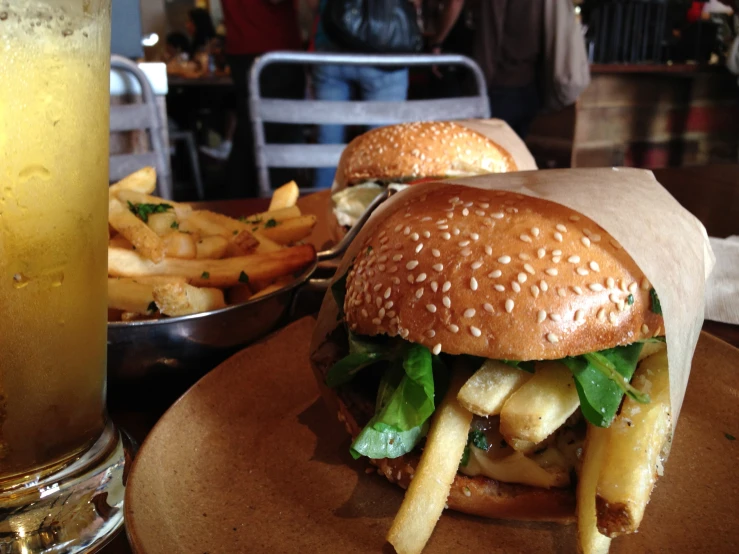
{"x":143,"y":115}
{"x":354,"y":112}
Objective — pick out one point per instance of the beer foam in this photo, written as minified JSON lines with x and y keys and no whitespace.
{"x":39,"y":20}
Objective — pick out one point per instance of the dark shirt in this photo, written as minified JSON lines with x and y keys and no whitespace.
{"x":258,"y":26}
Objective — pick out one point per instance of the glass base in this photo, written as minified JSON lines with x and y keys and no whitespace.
{"x":76,"y":509}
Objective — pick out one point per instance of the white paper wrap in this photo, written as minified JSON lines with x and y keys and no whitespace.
{"x":667,"y":242}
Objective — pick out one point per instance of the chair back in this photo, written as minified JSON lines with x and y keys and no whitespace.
{"x":354,"y":112}
{"x":144,"y":115}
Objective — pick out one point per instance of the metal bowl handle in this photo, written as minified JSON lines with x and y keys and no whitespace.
{"x":341,"y":247}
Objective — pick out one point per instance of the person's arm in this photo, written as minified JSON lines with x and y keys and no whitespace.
{"x":449,"y":16}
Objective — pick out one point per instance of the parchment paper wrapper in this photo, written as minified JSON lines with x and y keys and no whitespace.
{"x":499,"y":131}
{"x":667,"y":242}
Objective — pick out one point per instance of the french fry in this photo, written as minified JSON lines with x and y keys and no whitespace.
{"x":180,"y":245}
{"x":146,"y":241}
{"x":290,"y":230}
{"x":278,"y":215}
{"x":239,"y":294}
{"x":284,"y":197}
{"x":144,"y":180}
{"x":245,"y":241}
{"x":213,"y":273}
{"x":135,"y":197}
{"x":129,"y":296}
{"x":240,"y":233}
{"x":133,"y":316}
{"x":120,"y":242}
{"x":266,"y":245}
{"x":589,"y":540}
{"x":539,"y":407}
{"x":650,"y":348}
{"x":636,"y":439}
{"x":175,"y":299}
{"x":200,"y":221}
{"x":163,"y":223}
{"x":279,"y":284}
{"x":427,"y":494}
{"x":487,"y":390}
{"x":212,"y":248}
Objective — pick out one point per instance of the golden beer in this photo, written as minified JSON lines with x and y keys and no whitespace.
{"x":58,"y":451}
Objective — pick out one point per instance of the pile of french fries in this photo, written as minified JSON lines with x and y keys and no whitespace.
{"x":620,"y":463}
{"x":167,"y":259}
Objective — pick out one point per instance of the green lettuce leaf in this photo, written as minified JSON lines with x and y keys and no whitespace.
{"x":602,"y":378}
{"x":528,"y":367}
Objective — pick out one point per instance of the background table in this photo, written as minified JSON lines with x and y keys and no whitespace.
{"x":710,"y":192}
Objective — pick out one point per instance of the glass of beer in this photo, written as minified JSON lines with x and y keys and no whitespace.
{"x":61,"y":459}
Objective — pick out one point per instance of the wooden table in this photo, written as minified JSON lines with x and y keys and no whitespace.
{"x":711,"y":193}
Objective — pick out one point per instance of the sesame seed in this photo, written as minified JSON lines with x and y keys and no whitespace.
{"x":441,"y":222}
{"x":587,"y":232}
{"x":616,"y":245}
{"x":411,"y":265}
{"x":497,"y":215}
{"x":558,"y":236}
{"x":522,"y":277}
{"x":474,"y":236}
{"x":543,"y":286}
{"x":419,"y":247}
{"x":419,"y":293}
{"x":455,"y":231}
{"x":464,"y":243}
{"x":393,"y":269}
{"x":481,"y":213}
{"x":465,"y":212}
{"x":525,"y":238}
{"x":595,"y":237}
{"x":395,"y":280}
{"x":381,"y":267}
{"x":579,"y":315}
{"x":644,"y":284}
{"x":489,"y":250}
{"x":389,"y":304}
{"x":535,"y":231}
{"x":488,"y":307}
{"x":610,"y":283}
{"x":411,"y":279}
{"x":438,"y":267}
{"x":476,"y":265}
{"x":483,"y":205}
{"x":453,"y":328}
{"x":381,"y":313}
{"x":556,"y":259}
{"x":601,"y":314}
{"x":447,"y":303}
{"x":434,"y":286}
{"x":415,"y":237}
{"x":523,"y":256}
{"x":398,"y":227}
{"x":435,"y":253}
{"x":421,"y":278}
{"x":551,"y":337}
{"x":378,"y":301}
{"x":595,"y":287}
{"x":577,"y":290}
{"x":574,"y":218}
{"x":446,"y":286}
{"x":504,"y":259}
{"x":473,"y":283}
{"x":397,"y":257}
{"x":403,"y":332}
{"x":509,"y":305}
{"x":382,"y":259}
{"x":535,"y":291}
{"x":621,"y":305}
{"x":582,"y":271}
{"x":574,"y":259}
{"x":561,"y":228}
{"x":495,"y":274}
{"x":541,"y":316}
{"x":436,"y":350}
{"x":377,"y":287}
{"x":475,"y":331}
{"x":443,"y":227}
{"x":551,"y":271}
{"x":585,"y":241}
{"x":446,"y":236}
{"x":431,"y":308}
{"x":594,"y":266}
{"x":541,"y":253}
{"x":469,"y":312}
{"x":561,"y":291}
{"x":612,"y":317}
{"x":364,"y":313}
{"x":555,"y":317}
{"x":644,"y":329}
{"x":622,"y":285}
{"x":376,"y":321}
{"x":407,"y":230}
{"x":383,"y":240}
{"x":632,"y":288}
{"x":466,"y":252}
{"x":529,"y":269}
{"x":499,"y":288}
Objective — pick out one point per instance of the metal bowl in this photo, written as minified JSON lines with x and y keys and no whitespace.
{"x":196,"y":343}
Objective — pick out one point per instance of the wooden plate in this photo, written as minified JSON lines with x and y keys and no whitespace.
{"x":250,"y":460}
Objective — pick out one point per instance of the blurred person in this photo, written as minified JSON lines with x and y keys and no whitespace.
{"x":254,"y":27}
{"x":200,"y":27}
{"x":336,"y":82}
{"x":531,"y":52}
{"x":177,"y":47}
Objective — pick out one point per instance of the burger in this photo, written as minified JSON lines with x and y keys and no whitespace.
{"x":400,"y":155}
{"x":517,"y":313}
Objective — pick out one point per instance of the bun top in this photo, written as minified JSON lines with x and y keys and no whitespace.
{"x":499,"y":275}
{"x":422,"y":149}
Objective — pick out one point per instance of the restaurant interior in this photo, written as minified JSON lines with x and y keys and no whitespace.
{"x":447,"y":244}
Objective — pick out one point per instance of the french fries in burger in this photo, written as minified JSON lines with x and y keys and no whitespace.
{"x":501,"y":355}
{"x":167,"y":259}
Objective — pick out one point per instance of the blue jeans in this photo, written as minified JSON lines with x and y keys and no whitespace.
{"x":335,"y":82}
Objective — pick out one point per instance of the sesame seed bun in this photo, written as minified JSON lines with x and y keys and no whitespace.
{"x":421,"y":149}
{"x":498,"y":275}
